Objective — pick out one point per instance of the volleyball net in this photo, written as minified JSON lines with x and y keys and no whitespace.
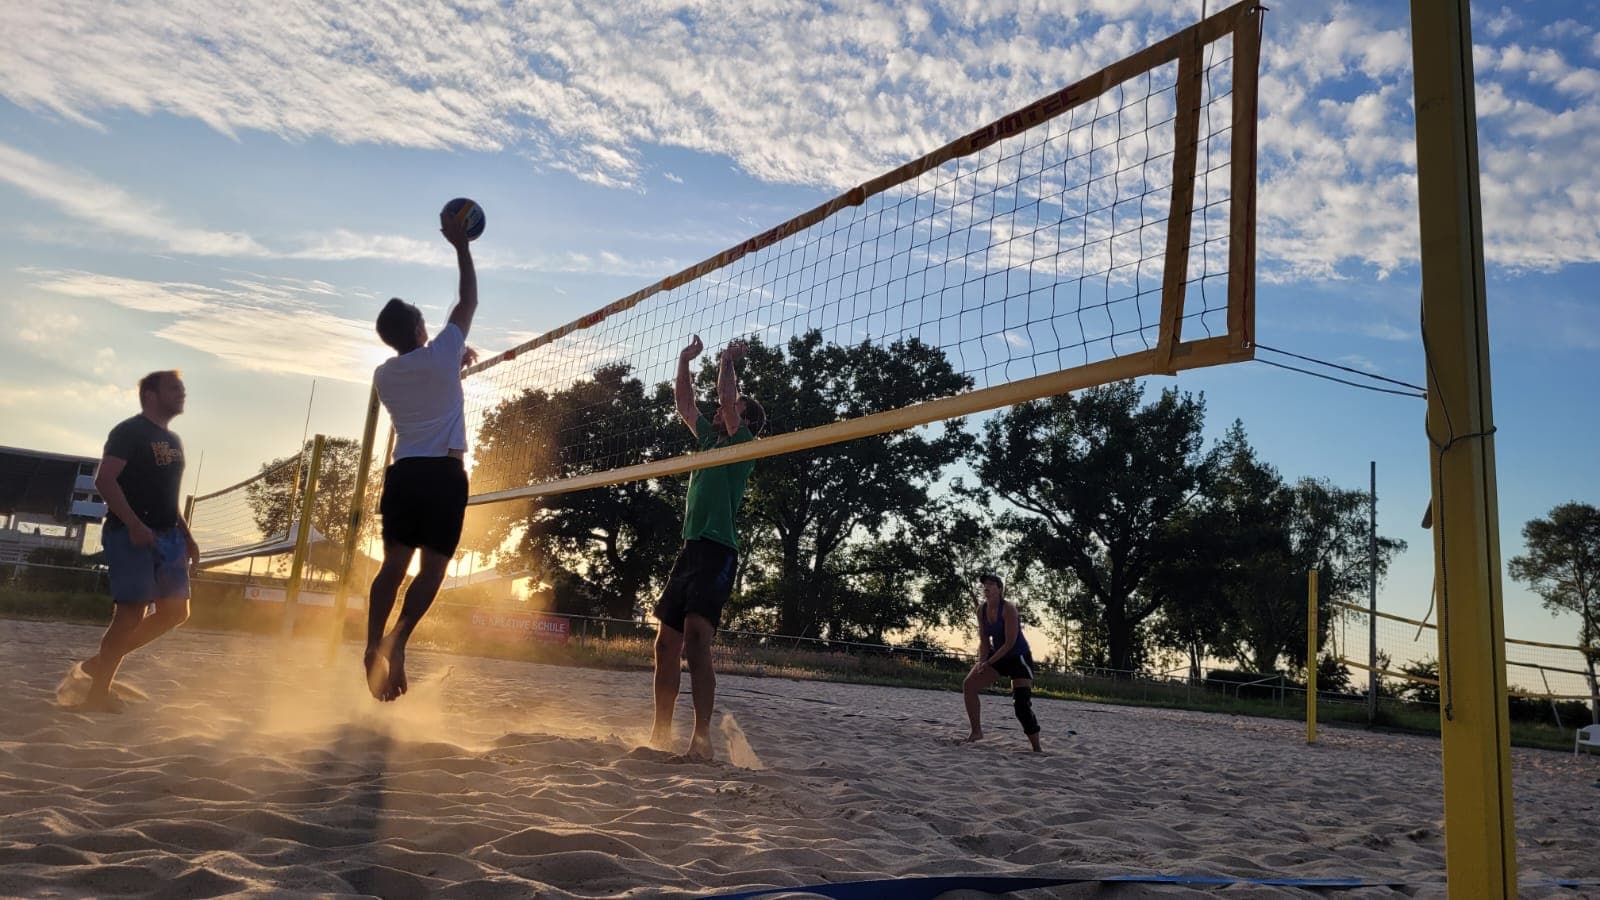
{"x":1407,"y":650}
{"x":1103,"y":232}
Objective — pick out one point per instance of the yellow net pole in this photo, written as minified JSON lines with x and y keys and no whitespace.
{"x":1311,"y":657}
{"x":302,"y":539}
{"x":1480,"y":849}
{"x":352,"y":535}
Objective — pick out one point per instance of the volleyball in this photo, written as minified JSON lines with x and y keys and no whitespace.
{"x":469,"y":212}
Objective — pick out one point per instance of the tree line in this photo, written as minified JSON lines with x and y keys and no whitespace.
{"x":1104,"y":509}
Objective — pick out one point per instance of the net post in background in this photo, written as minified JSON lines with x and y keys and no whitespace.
{"x":1313,"y":629}
{"x":1103,"y":232}
{"x":302,"y":534}
{"x":355,"y":522}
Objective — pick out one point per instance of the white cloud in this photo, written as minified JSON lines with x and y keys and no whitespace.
{"x":1357,"y":361}
{"x":791,"y":92}
{"x":1502,"y":22}
{"x":110,"y":208}
{"x":257,"y":324}
{"x":113,"y":209}
{"x":144,"y":296}
{"x":675,"y":179}
{"x":45,"y":325}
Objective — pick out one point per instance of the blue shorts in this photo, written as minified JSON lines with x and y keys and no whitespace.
{"x":146,"y":575}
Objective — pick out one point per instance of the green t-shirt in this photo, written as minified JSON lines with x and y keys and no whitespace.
{"x":715,"y":493}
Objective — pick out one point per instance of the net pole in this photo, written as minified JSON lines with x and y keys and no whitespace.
{"x":1311,"y":656}
{"x":352,"y":535}
{"x":1480,"y":849}
{"x":1372,"y":596}
{"x":302,"y":538}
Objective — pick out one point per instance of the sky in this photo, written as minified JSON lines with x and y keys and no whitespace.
{"x":235,"y":192}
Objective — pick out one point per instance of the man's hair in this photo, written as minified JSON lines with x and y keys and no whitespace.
{"x":152,"y":382}
{"x":992,"y":578}
{"x":397,"y":324}
{"x":755,"y":417}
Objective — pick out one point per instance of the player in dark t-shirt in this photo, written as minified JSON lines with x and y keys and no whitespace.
{"x":148,"y":549}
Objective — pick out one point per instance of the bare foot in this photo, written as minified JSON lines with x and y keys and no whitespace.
{"x":397,"y":685}
{"x":1034,"y":740}
{"x":974,"y":737}
{"x":100,"y":703}
{"x":377,"y":667}
{"x":700,"y":747}
{"x":661,"y":736}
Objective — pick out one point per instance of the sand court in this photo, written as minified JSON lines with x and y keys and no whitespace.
{"x":254,"y":769}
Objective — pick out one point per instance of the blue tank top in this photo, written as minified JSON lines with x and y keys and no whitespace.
{"x":995,"y":631}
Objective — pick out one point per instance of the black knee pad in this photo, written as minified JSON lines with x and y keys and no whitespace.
{"x":1022,"y":702}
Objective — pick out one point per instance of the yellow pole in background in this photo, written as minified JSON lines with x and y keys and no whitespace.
{"x":302,"y":539}
{"x":1311,"y":656}
{"x":352,"y":536}
{"x":1480,"y":840}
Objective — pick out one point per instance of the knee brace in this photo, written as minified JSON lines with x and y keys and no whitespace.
{"x":1022,"y":702}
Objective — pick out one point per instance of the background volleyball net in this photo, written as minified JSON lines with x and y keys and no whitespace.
{"x":1102,"y":232}
{"x":1408,"y":651}
{"x":253,"y":529}
{"x":248,"y":521}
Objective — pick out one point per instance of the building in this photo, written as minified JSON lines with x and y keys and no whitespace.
{"x":47,"y":500}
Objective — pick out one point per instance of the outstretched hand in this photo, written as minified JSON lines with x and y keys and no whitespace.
{"x":735,"y":350}
{"x":691,"y":351}
{"x":454,"y":229}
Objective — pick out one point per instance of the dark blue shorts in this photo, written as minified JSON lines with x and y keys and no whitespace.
{"x":144,"y":575}
{"x":700,"y":583}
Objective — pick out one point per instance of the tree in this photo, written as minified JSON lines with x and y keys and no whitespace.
{"x":835,"y":537}
{"x":601,"y":549}
{"x":1421,"y":691}
{"x":1562,"y":566}
{"x":275,"y":499}
{"x":1192,"y":583}
{"x":1234,"y":576}
{"x":1093,"y":479}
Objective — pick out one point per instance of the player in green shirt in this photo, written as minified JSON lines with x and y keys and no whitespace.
{"x":690,"y":608}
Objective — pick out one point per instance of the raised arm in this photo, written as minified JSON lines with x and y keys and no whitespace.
{"x":455,"y":231}
{"x":728,"y":384}
{"x":683,"y":388}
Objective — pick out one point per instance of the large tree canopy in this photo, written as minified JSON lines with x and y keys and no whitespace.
{"x":839,"y":535}
{"x":1093,"y":479}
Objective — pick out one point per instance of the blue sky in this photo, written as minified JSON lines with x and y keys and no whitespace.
{"x":235,"y":196}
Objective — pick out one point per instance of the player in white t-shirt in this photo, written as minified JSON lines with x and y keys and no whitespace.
{"x":425,"y":489}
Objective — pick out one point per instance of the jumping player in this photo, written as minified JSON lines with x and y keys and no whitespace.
{"x":690,"y":608}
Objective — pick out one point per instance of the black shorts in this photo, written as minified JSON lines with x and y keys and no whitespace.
{"x":701,"y":580}
{"x":424,"y":502}
{"x":1014,"y":666}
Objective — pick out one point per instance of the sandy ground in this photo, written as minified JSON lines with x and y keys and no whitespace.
{"x":255,"y":768}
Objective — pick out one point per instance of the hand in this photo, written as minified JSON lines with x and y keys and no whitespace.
{"x":140,"y":535}
{"x":454,"y":230}
{"x":469,"y":357}
{"x":194,"y":552}
{"x":734,"y":351}
{"x":691,"y":351}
